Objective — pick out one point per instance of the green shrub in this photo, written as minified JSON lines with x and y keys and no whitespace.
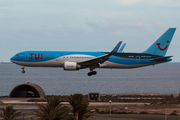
{"x":174,"y":112}
{"x":143,"y":112}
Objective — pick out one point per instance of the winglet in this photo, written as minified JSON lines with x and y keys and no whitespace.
{"x":101,"y":59}
{"x":116,"y":48}
{"x":122,"y":48}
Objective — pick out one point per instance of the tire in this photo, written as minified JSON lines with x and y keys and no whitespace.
{"x":89,"y":74}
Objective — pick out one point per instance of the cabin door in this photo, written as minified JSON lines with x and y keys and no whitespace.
{"x":137,"y":59}
{"x":57,"y":57}
{"x":26,"y":56}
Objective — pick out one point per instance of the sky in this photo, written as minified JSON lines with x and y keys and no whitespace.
{"x":86,"y":25}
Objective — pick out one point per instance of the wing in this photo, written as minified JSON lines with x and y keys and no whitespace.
{"x":101,"y":59}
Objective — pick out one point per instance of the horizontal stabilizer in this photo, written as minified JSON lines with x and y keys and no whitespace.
{"x":160,"y":58}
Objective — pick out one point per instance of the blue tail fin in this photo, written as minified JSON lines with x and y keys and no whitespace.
{"x":160,"y":46}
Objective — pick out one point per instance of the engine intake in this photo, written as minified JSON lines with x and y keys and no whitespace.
{"x":70,"y":66}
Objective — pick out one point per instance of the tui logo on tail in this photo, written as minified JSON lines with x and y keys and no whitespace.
{"x":162,"y":49}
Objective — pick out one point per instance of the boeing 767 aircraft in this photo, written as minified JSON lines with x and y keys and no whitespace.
{"x":73,"y":60}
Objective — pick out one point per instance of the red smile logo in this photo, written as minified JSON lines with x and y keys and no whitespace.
{"x":162,"y":49}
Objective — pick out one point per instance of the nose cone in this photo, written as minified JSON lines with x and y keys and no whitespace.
{"x":13,"y":59}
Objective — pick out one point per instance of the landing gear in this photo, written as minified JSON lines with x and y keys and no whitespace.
{"x":23,"y":71}
{"x":92,"y":73}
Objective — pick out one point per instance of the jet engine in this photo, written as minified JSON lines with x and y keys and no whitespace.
{"x":69,"y":66}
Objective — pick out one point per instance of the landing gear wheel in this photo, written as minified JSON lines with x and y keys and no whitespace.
{"x":94,"y":72}
{"x":23,"y":71}
{"x":89,"y":73}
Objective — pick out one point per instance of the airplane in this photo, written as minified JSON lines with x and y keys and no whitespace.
{"x":122,"y":48}
{"x":72,"y":60}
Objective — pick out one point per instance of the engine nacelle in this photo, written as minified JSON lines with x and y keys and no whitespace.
{"x":71,"y":66}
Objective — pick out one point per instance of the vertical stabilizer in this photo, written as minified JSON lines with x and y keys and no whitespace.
{"x":161,"y":45}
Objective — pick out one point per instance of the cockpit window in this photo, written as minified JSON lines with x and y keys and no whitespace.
{"x":16,"y":55}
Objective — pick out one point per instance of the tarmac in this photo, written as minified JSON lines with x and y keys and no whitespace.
{"x":132,"y":117}
{"x":14,"y":101}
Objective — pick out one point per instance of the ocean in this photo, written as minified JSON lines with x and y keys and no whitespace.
{"x":160,"y":79}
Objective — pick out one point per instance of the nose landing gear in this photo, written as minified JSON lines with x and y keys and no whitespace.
{"x":23,"y":71}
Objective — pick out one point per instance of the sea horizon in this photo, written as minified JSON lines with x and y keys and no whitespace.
{"x":160,"y":79}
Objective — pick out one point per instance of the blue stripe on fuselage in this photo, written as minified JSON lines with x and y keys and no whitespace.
{"x":35,"y":56}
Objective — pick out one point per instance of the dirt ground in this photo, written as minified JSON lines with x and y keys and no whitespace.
{"x":132,"y":117}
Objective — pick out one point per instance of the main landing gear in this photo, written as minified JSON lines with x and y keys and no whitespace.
{"x":23,"y":71}
{"x":91,"y":72}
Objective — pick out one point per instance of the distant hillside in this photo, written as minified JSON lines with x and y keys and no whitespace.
{"x":3,"y":62}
